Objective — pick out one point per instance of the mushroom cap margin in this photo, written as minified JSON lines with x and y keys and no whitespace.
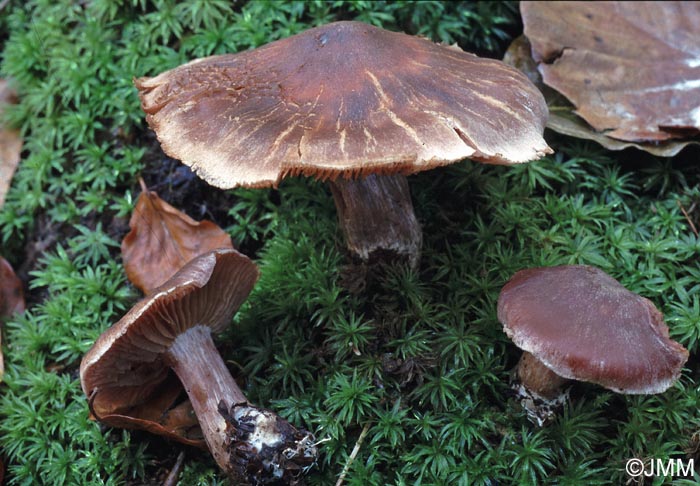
{"x":584,"y":325}
{"x":333,"y":108}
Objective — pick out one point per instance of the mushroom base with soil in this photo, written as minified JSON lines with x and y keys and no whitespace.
{"x":377,"y":218}
{"x":252,"y":445}
{"x":539,"y":390}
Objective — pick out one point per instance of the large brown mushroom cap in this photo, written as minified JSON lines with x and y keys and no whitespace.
{"x":125,"y":365}
{"x":583,"y":325}
{"x":344,"y":98}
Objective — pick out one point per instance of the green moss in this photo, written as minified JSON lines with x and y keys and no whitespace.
{"x":417,"y":356}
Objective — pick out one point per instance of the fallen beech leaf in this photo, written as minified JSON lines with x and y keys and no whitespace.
{"x":562,"y":114}
{"x":162,"y":239}
{"x":10,"y":144}
{"x":566,"y":121}
{"x":11,"y":294}
{"x":157,"y":414}
{"x":11,"y":299}
{"x":519,"y":55}
{"x":632,"y":69}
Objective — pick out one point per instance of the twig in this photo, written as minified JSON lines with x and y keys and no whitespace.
{"x":171,"y":479}
{"x":353,"y":454}
{"x":687,"y":217}
{"x":3,"y":4}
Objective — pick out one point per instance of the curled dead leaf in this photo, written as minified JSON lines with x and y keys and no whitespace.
{"x":519,"y":55}
{"x":10,"y":144}
{"x":566,"y":122}
{"x":11,"y":293}
{"x":11,"y":299}
{"x":562,"y":114}
{"x":160,"y":413}
{"x":632,"y":69}
{"x":162,"y":239}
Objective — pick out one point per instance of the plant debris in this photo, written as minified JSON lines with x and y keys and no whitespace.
{"x":11,"y":299}
{"x":166,"y":414}
{"x":564,"y":119}
{"x":631,"y":69}
{"x":163,"y":239}
{"x":173,"y":475}
{"x":10,"y":144}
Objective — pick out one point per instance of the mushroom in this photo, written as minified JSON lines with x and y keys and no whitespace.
{"x":575,"y":322}
{"x":341,"y":101}
{"x":171,"y":330}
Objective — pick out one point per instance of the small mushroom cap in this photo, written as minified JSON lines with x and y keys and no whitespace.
{"x":583,"y":325}
{"x":346,"y":99}
{"x":125,"y":365}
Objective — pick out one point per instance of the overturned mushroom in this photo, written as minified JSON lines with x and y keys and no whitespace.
{"x":171,"y":329}
{"x":575,"y":322}
{"x":340,"y":101}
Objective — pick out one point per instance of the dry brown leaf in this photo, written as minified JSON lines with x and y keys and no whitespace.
{"x":11,"y":294}
{"x":158,"y":414}
{"x":11,"y":299}
{"x":10,"y":144}
{"x":562,"y":114}
{"x":565,"y":121}
{"x":632,"y":69}
{"x":162,"y":239}
{"x":519,"y":55}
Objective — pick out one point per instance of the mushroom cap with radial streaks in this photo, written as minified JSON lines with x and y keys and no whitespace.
{"x":584,"y":325}
{"x":125,"y":365}
{"x":345,"y":98}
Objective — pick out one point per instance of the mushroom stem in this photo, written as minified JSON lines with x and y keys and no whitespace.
{"x":537,"y":378}
{"x":207,"y":381}
{"x":250,"y":444}
{"x":377,"y":217}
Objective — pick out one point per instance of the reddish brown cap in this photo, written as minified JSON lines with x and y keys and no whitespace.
{"x":125,"y":366}
{"x":583,"y":325}
{"x":346,"y":99}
